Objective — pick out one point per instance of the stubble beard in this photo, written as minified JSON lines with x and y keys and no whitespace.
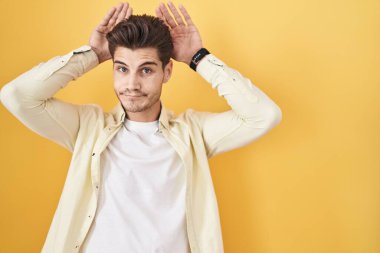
{"x":140,"y":104}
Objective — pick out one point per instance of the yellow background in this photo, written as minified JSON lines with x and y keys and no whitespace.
{"x":310,"y":185}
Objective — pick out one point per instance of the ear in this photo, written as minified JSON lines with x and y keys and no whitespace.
{"x":168,"y":71}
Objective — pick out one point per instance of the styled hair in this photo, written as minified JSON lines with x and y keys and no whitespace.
{"x":142,"y":31}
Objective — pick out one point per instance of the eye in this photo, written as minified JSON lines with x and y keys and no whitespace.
{"x":147,"y":70}
{"x":124,"y":68}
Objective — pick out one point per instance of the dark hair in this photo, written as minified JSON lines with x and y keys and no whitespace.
{"x":141,"y":31}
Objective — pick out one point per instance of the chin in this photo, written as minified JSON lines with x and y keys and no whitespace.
{"x":135,"y":107}
{"x":136,"y":104}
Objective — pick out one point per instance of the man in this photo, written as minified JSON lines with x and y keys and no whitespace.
{"x":139,"y":179}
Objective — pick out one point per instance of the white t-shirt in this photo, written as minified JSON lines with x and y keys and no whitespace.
{"x":141,"y":205}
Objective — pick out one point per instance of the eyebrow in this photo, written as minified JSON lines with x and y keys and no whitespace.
{"x":144,"y":63}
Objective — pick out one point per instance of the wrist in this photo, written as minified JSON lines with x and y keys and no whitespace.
{"x":99,"y":54}
{"x":191,"y":55}
{"x":198,"y":57}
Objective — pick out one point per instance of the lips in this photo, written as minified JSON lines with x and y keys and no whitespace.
{"x":133,"y":96}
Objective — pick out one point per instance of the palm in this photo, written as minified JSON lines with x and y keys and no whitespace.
{"x":185,"y":36}
{"x":186,"y":41}
{"x":98,"y":40}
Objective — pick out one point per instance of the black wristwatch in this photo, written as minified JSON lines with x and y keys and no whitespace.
{"x":197,"y":57}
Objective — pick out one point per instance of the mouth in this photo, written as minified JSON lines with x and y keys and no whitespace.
{"x":132,"y":96}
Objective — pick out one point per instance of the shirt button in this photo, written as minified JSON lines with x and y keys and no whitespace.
{"x":77,"y":246}
{"x":97,"y":187}
{"x":93,"y":154}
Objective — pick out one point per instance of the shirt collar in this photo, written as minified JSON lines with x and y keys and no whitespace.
{"x":165,"y":114}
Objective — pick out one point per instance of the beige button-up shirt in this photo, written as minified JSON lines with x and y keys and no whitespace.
{"x":85,"y":130}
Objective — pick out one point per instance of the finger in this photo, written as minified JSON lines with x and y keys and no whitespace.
{"x":167,"y":16}
{"x":122,"y":13}
{"x":161,"y":16}
{"x":108,"y":16}
{"x":129,"y":13}
{"x":176,"y":14}
{"x":114,"y":16}
{"x":158,"y":13}
{"x":185,"y":15}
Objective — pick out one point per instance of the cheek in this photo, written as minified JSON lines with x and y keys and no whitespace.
{"x":117,"y":87}
{"x":118,"y":83}
{"x":152,"y":81}
{"x":156,"y":84}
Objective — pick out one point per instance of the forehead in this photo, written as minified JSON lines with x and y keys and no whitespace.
{"x":134,"y":57}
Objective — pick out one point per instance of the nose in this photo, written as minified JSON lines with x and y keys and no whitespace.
{"x":133,"y":82}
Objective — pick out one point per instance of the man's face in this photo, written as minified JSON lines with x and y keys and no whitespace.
{"x":138,"y":77}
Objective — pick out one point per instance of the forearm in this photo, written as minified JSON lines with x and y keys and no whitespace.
{"x":245,"y":99}
{"x":102,"y":56}
{"x":47,"y":78}
{"x":30,"y":99}
{"x":252,"y":112}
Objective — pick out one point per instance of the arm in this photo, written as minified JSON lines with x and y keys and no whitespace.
{"x":253,"y":113}
{"x":30,"y":99}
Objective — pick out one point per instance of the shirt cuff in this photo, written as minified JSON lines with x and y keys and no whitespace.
{"x":209,"y":66}
{"x":90,"y":60}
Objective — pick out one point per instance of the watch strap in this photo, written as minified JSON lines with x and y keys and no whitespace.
{"x":198,"y":56}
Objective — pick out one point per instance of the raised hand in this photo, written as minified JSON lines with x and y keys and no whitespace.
{"x":98,"y":41}
{"x":185,"y":36}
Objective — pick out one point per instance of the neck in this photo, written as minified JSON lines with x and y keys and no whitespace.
{"x":152,"y":114}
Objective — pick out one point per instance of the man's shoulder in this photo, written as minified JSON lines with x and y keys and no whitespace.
{"x":191,"y":113}
{"x":90,"y":109}
{"x":189,"y":116}
{"x":91,"y":113}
